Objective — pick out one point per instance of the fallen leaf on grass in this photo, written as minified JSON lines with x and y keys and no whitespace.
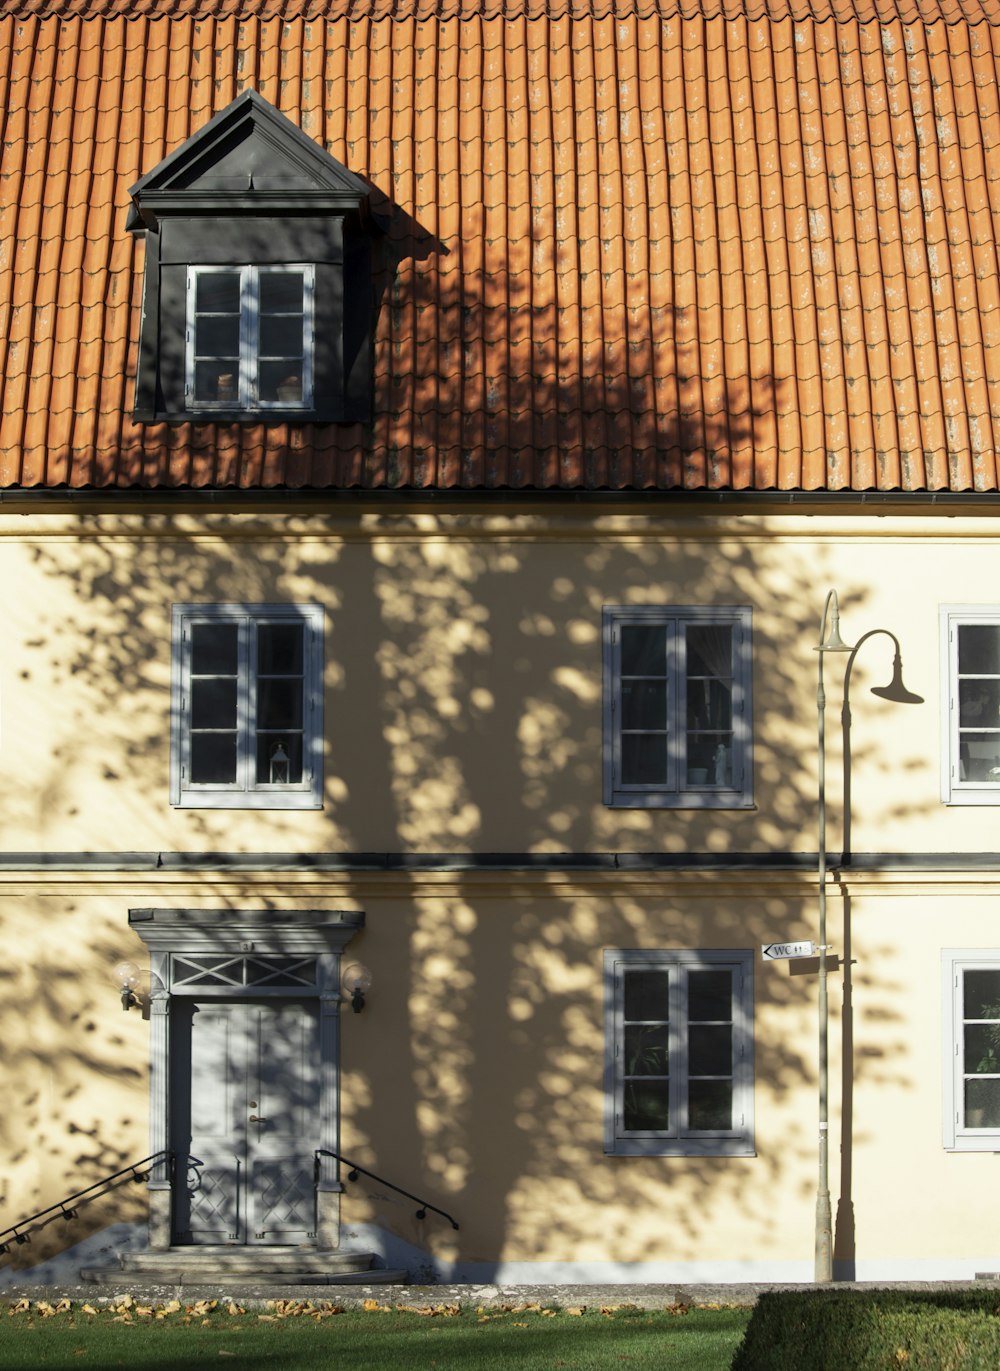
{"x":576,"y":1310}
{"x":88,"y":1309}
{"x":232,"y":1308}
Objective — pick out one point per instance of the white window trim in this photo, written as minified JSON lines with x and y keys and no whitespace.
{"x":248,"y":397}
{"x":246,"y":793}
{"x":958,"y":1137}
{"x":738,"y":1142}
{"x":955,"y":791}
{"x":737,"y":796}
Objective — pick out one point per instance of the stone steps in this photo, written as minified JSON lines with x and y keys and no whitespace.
{"x":232,"y":1268}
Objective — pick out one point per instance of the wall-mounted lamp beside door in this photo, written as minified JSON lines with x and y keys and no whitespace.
{"x":356,"y":981}
{"x":126,"y":976}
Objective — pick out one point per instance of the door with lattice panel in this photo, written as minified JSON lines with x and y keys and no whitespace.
{"x":244,"y":1108}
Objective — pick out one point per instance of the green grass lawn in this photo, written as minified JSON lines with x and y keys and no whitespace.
{"x":297,"y":1337}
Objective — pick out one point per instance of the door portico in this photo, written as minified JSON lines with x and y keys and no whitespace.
{"x":244,"y":1079}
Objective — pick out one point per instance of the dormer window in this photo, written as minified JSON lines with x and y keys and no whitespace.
{"x":258,"y":303}
{"x":249,"y":343}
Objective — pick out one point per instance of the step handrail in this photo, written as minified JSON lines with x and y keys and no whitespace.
{"x":354,"y":1171}
{"x":65,"y":1207}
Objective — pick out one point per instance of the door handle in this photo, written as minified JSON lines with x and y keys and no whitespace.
{"x":254,"y":1119}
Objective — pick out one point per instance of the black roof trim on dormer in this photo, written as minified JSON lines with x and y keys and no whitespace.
{"x":248,"y":159}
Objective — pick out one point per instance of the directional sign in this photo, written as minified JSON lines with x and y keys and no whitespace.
{"x":775,"y":952}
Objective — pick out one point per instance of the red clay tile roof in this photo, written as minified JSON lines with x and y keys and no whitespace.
{"x":699,"y":252}
{"x":880,"y":11}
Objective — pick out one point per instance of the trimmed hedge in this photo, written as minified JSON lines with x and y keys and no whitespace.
{"x":872,"y":1330}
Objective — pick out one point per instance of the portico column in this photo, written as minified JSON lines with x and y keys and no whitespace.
{"x":160,"y":1184}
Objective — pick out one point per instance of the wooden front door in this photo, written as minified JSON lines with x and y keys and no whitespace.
{"x":244,"y":1106}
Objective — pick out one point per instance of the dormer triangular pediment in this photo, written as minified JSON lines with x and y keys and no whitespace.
{"x":247,"y":157}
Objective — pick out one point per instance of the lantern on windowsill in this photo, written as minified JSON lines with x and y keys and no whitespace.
{"x":225,"y":387}
{"x":279,"y":773}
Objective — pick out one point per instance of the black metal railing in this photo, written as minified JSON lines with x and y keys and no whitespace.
{"x":354,"y":1171}
{"x":66,"y":1208}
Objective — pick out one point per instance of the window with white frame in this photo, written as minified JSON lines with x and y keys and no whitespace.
{"x":247,"y":706}
{"x":679,"y":1075}
{"x":970,"y":693}
{"x":677,"y":706}
{"x":971,"y":1000}
{"x":249,"y":338}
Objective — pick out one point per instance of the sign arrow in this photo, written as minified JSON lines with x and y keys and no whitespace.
{"x":775,"y":952}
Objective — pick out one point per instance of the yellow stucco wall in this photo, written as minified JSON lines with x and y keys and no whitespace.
{"x":463,"y":675}
{"x":473,"y":1077}
{"x":463,"y":714}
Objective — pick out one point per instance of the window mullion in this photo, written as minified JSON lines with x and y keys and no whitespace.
{"x":678,"y":1051}
{"x":676,"y":706}
{"x":308,"y":334}
{"x":616,"y":703}
{"x":955,"y":737}
{"x":249,"y":336}
{"x":189,"y":331}
{"x":246,"y":703}
{"x":618,"y":1072}
{"x":186,"y":715}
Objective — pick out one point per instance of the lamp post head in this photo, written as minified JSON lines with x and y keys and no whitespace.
{"x":833,"y":641}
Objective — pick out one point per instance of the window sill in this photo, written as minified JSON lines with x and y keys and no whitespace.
{"x":684,"y":800}
{"x":649,"y":1147}
{"x":237,"y":416}
{"x":247,"y":799}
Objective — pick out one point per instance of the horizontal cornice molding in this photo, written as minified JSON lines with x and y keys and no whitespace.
{"x":487,"y":862}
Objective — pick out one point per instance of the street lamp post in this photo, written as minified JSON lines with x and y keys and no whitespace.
{"x":897,"y":692}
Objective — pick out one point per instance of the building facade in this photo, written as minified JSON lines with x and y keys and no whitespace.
{"x":428,"y":443}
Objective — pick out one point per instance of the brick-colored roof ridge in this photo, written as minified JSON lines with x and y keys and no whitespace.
{"x":819,"y":11}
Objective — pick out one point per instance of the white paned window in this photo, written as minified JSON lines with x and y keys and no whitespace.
{"x":247,"y":706}
{"x":679,"y":1075}
{"x":249,"y":338}
{"x":970,"y":693}
{"x":971,"y":999}
{"x":677,"y":707}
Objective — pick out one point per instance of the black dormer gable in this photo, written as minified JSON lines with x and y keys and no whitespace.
{"x":258,"y":244}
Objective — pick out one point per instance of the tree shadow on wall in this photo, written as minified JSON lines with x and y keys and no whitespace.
{"x":463,"y":699}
